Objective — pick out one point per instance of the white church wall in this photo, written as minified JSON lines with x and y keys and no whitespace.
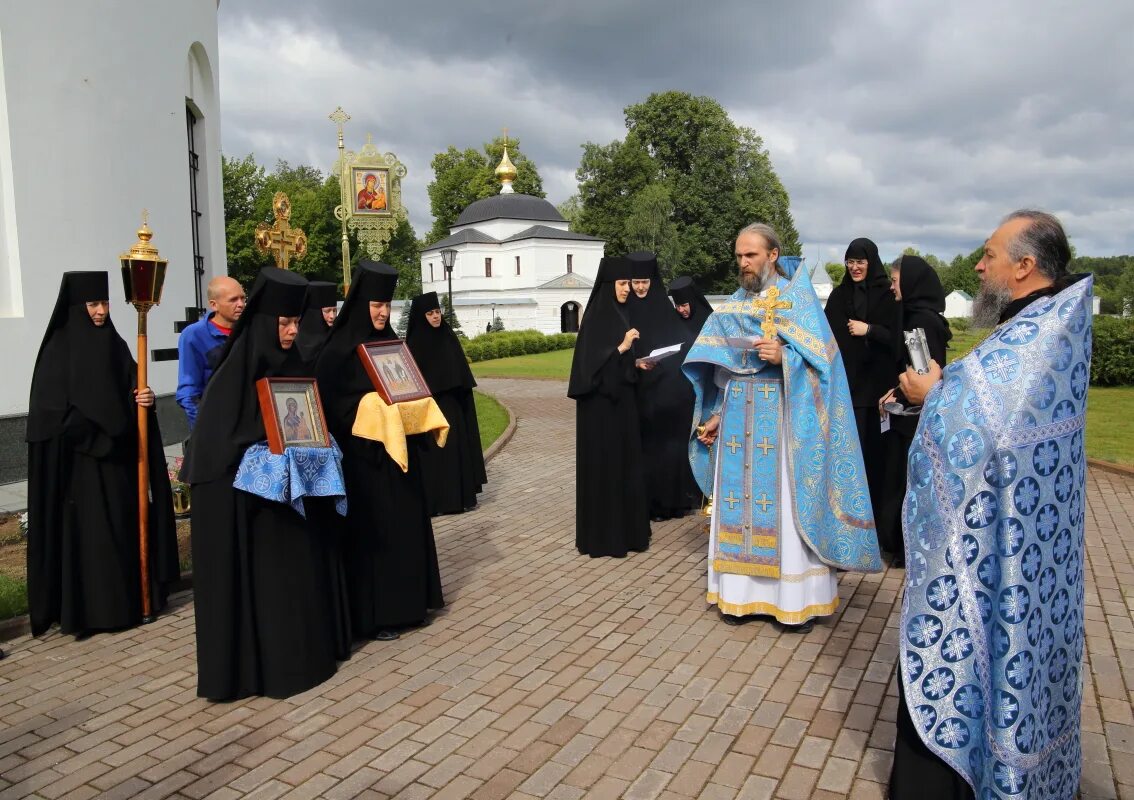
{"x":503,"y":228}
{"x":11,"y":292}
{"x":958,"y":305}
{"x":541,"y":260}
{"x":95,"y":120}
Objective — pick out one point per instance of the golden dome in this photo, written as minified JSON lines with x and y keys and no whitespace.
{"x":506,"y":171}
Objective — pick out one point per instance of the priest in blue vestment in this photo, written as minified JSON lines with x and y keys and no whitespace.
{"x":774,"y":442}
{"x":991,"y":636}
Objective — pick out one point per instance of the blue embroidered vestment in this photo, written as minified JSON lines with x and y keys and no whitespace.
{"x":803,"y":405}
{"x":992,"y":622}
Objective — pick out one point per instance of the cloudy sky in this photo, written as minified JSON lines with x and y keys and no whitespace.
{"x":908,"y":122}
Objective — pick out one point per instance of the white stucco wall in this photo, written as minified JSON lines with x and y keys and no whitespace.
{"x":503,"y":228}
{"x":93,"y":130}
{"x":956,"y":306}
{"x":541,"y":260}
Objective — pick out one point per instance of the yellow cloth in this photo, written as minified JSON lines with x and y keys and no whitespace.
{"x":391,"y":424}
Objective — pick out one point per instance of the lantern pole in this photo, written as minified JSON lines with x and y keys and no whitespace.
{"x":143,"y":274}
{"x":144,"y":469}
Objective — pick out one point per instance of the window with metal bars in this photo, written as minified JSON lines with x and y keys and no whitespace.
{"x":195,"y":213}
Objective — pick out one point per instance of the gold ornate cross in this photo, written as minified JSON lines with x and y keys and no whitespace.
{"x":763,"y":502}
{"x":769,"y":304}
{"x":283,"y":241}
{"x":767,"y":390}
{"x":733,"y":445}
{"x":737,"y":390}
{"x":766,"y":445}
{"x":732,"y":499}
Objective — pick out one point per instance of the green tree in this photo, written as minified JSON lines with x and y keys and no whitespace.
{"x":961,"y":275}
{"x":450,"y":315}
{"x":570,"y":209}
{"x":1114,"y":279}
{"x":717,"y":175}
{"x":836,"y":271}
{"x":650,"y":226}
{"x":461,"y":177}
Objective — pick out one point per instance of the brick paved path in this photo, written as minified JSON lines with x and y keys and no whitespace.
{"x":549,"y":675}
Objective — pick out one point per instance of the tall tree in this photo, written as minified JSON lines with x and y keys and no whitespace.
{"x":570,"y":209}
{"x":463,"y":176}
{"x":960,"y":274}
{"x":717,"y":175}
{"x":650,"y":226}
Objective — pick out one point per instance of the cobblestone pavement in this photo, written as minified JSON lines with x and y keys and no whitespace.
{"x":548,"y":675}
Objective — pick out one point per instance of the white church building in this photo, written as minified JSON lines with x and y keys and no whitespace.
{"x":106,"y":109}
{"x":515,"y":258}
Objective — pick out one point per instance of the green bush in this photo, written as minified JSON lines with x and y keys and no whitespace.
{"x":1112,"y":358}
{"x":503,"y":344}
{"x":959,"y":324}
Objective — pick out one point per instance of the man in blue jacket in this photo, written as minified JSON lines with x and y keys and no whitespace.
{"x":200,"y":344}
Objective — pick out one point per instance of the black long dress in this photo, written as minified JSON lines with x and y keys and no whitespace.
{"x":665,"y":397}
{"x":921,"y":306}
{"x":869,"y":360}
{"x":83,"y":553}
{"x":611,"y":504}
{"x":392,"y":571}
{"x":268,"y":584}
{"x":453,"y":474}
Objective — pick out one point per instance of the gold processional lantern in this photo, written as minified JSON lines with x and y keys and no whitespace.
{"x":143,"y":276}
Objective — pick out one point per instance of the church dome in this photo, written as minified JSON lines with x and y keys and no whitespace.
{"x":509,"y":206}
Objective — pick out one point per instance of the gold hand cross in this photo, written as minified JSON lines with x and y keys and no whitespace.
{"x":769,"y":305}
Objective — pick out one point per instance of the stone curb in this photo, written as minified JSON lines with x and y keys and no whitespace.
{"x":503,"y":438}
{"x":1109,"y":466}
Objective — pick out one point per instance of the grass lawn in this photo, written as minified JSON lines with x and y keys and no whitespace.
{"x":1110,"y":424}
{"x":491,"y":417}
{"x":555,"y":365}
{"x":1110,"y":410}
{"x":13,"y":597}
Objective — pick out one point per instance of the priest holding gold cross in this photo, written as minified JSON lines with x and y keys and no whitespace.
{"x":773,"y":441}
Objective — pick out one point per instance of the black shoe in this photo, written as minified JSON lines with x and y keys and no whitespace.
{"x":729,"y":619}
{"x":386,"y":636}
{"x":803,"y":627}
{"x":898,"y":562}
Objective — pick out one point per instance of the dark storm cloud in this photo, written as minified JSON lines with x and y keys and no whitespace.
{"x":886,"y":119}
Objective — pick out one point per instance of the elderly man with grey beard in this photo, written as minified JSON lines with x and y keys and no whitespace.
{"x":991,"y":633}
{"x":776,"y":446}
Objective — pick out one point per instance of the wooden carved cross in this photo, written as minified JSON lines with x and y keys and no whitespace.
{"x":283,"y":241}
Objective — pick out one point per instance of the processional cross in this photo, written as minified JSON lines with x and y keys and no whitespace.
{"x":283,"y":241}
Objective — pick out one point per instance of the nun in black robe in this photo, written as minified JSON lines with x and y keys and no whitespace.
{"x":685,"y":293}
{"x":862,"y":314}
{"x":453,"y":474}
{"x":268,"y":584}
{"x":82,"y":433}
{"x":611,"y":503}
{"x":392,"y":571}
{"x":921,"y":300}
{"x":665,"y":397}
{"x":313,"y":326}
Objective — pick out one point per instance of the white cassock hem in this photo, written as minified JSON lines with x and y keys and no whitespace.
{"x":807,"y":588}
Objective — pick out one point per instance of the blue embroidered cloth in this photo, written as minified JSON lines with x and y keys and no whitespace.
{"x":296,"y":473}
{"x":992,"y":620}
{"x":806,"y":407}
